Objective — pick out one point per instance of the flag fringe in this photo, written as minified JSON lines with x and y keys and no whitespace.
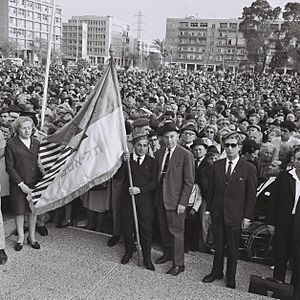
{"x":67,"y":199}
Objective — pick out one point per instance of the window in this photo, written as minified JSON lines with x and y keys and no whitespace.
{"x":22,"y":12}
{"x":45,"y":17}
{"x":13,"y":1}
{"x":203,"y":25}
{"x":13,"y":11}
{"x":213,"y":25}
{"x":223,"y":25}
{"x":233,"y":25}
{"x":29,"y":25}
{"x":38,"y":6}
{"x":37,"y":16}
{"x":194,"y":25}
{"x":229,"y":42}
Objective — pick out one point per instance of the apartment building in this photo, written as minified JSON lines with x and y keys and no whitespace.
{"x":197,"y":43}
{"x":25,"y":25}
{"x":90,"y":38}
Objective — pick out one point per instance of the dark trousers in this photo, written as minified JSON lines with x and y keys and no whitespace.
{"x":116,"y":202}
{"x":286,"y":247}
{"x":145,"y":215}
{"x":192,"y":230}
{"x":229,"y":235}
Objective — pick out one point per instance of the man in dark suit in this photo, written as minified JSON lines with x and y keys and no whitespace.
{"x":144,"y":170}
{"x":284,"y":217}
{"x":230,"y":204}
{"x":176,"y":179}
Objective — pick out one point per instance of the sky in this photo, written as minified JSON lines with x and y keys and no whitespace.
{"x":157,"y":11}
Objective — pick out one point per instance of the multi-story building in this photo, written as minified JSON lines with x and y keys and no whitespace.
{"x":90,"y":38}
{"x":197,"y":43}
{"x":25,"y":25}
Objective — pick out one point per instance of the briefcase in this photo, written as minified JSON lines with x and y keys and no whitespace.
{"x":270,"y":287}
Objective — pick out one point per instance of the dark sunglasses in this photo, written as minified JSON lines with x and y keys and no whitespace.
{"x":227,"y":145}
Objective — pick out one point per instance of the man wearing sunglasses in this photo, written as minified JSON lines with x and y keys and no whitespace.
{"x":230,"y":205}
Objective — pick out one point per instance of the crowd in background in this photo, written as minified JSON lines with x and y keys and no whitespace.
{"x":205,"y":106}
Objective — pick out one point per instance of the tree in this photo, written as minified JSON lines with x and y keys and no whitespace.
{"x":39,"y":48}
{"x":8,"y":49}
{"x":290,"y":30}
{"x":160,"y":45}
{"x":257,"y":30}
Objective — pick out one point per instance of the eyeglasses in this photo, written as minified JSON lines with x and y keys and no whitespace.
{"x":210,"y":132}
{"x":227,"y":145}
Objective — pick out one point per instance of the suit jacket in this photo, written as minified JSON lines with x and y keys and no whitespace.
{"x":179,"y":178}
{"x":198,"y":170}
{"x":144,"y":176}
{"x":282,"y":203}
{"x":21,"y":162}
{"x":235,"y":199}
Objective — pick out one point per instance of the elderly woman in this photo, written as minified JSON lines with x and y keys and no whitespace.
{"x":21,"y":157}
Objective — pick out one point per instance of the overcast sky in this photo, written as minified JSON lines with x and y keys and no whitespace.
{"x":157,"y":11}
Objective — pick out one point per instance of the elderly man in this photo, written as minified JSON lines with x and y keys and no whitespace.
{"x":231,"y":204}
{"x":176,"y":180}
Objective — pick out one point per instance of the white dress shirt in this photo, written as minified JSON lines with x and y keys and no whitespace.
{"x":135,"y":157}
{"x":165,"y":156}
{"x":297,"y":191}
{"x":234,"y":163}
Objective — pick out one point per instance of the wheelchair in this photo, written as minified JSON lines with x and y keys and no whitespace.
{"x":257,"y":242}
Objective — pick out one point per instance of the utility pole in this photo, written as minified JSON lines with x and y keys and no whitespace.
{"x":140,"y":29}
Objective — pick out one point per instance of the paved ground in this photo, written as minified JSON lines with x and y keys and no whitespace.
{"x":76,"y":264}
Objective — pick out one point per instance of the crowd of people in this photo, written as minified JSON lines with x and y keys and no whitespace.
{"x":209,"y":153}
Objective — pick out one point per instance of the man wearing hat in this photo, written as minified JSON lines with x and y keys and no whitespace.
{"x":140,"y":126}
{"x":144,"y":170}
{"x":188,"y":135}
{"x":230,"y":205}
{"x":176,"y":180}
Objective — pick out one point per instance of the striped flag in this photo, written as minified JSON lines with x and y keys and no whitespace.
{"x":85,"y":152}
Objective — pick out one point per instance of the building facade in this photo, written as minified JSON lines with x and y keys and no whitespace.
{"x":25,"y":26}
{"x":90,"y":38}
{"x":211,"y":43}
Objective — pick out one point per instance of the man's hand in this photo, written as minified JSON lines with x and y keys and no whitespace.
{"x":245,"y":224}
{"x":192,"y":212}
{"x":134,"y":190}
{"x":271,"y":229}
{"x":25,"y":188}
{"x":126,"y":156}
{"x":180,"y":209}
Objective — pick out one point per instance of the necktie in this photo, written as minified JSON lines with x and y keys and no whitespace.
{"x":138,"y":160}
{"x":164,"y":170}
{"x":228,"y":173}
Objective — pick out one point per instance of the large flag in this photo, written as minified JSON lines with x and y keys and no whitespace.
{"x":85,"y":152}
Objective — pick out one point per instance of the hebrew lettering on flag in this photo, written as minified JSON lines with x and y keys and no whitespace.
{"x":85,"y":152}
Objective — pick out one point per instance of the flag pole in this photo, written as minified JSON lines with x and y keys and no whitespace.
{"x":136,"y":224}
{"x":44,"y":103}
